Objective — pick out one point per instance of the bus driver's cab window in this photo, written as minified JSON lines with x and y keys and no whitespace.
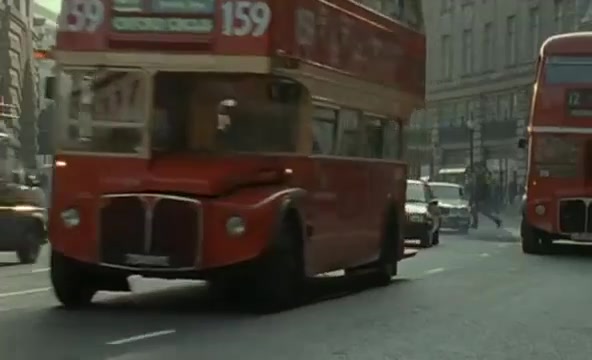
{"x":172,"y":98}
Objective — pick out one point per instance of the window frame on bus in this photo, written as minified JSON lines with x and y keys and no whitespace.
{"x":334,"y":121}
{"x":344,"y":130}
{"x":62,"y":124}
{"x":371,"y":120}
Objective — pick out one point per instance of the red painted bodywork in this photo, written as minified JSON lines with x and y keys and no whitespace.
{"x":549,"y":109}
{"x":344,"y":199}
{"x":344,"y":36}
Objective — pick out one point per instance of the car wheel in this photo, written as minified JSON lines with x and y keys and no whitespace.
{"x":30,"y":247}
{"x":426,"y":240}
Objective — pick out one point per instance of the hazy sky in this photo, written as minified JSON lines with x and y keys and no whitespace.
{"x":51,"y":4}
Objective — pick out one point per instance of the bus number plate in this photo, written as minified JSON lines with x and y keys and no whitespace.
{"x":138,"y":260}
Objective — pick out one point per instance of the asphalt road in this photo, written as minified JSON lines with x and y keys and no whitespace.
{"x":472,"y":297}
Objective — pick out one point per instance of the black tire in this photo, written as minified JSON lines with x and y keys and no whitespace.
{"x":426,"y":240}
{"x":278,"y":280}
{"x":532,"y":242}
{"x":387,"y":265}
{"x":463,"y":230}
{"x":30,"y":246}
{"x":436,"y":238}
{"x":72,"y":285}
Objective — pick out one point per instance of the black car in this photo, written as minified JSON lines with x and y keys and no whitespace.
{"x":22,"y":219}
{"x":422,"y":214}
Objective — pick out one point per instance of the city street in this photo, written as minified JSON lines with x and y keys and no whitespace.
{"x":472,"y":297}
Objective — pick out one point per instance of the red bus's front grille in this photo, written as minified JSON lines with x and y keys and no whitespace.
{"x":122,"y":228}
{"x":150,"y":231}
{"x":175,"y":231}
{"x":572,"y":216}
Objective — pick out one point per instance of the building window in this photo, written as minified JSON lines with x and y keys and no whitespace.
{"x":511,"y":41}
{"x":446,"y":44}
{"x":534,"y":33}
{"x":447,"y":5}
{"x":559,"y":12}
{"x":488,"y":47}
{"x":468,"y":54}
{"x":565,"y":16}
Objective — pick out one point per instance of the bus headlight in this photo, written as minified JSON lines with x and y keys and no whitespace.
{"x":236,"y":226}
{"x":70,"y":217}
{"x":540,"y":210}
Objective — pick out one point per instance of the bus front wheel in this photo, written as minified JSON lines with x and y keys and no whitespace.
{"x":279,"y":279}
{"x":532,"y":241}
{"x":70,"y":285}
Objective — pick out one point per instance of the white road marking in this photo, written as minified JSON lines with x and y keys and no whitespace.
{"x":24,"y":292}
{"x":40,"y":270}
{"x":142,"y":337}
{"x":434,"y":271}
{"x":484,"y":255}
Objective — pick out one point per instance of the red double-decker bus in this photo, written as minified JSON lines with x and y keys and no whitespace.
{"x":244,"y":142}
{"x":558,"y":202}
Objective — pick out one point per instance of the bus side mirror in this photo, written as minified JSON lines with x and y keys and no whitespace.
{"x":522,"y":143}
{"x":50,"y":87}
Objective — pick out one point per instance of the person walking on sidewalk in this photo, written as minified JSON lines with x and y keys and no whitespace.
{"x":482,"y":198}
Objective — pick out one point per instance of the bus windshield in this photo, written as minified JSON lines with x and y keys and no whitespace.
{"x":103,"y":110}
{"x":107,"y":111}
{"x":416,"y":192}
{"x":447,"y":192}
{"x":222,"y":113}
{"x":568,"y":70}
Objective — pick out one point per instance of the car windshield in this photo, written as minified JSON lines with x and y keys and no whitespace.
{"x":448,"y":192}
{"x":416,"y":193}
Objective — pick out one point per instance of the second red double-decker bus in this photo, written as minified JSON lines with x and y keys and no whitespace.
{"x":558,"y":202}
{"x":249,"y":142}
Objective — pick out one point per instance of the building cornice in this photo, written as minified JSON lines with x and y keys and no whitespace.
{"x":486,"y":83}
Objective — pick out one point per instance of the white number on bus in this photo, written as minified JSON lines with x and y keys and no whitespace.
{"x":574,"y":99}
{"x":243,"y":18}
{"x":82,"y":15}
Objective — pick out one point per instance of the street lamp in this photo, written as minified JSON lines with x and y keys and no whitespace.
{"x":471,"y":127}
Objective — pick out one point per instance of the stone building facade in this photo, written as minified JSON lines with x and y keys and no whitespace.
{"x":45,"y":29}
{"x":18,"y":86}
{"x":481,"y":58}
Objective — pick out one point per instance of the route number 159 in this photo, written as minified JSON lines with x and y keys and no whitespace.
{"x":245,"y":18}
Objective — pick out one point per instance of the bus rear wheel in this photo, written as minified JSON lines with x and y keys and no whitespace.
{"x":387,"y":265}
{"x":532,"y":241}
{"x":70,"y":282}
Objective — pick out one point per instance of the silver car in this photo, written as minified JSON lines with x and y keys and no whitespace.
{"x":454,"y":206}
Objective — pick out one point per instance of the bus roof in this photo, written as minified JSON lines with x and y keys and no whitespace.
{"x":568,"y":44}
